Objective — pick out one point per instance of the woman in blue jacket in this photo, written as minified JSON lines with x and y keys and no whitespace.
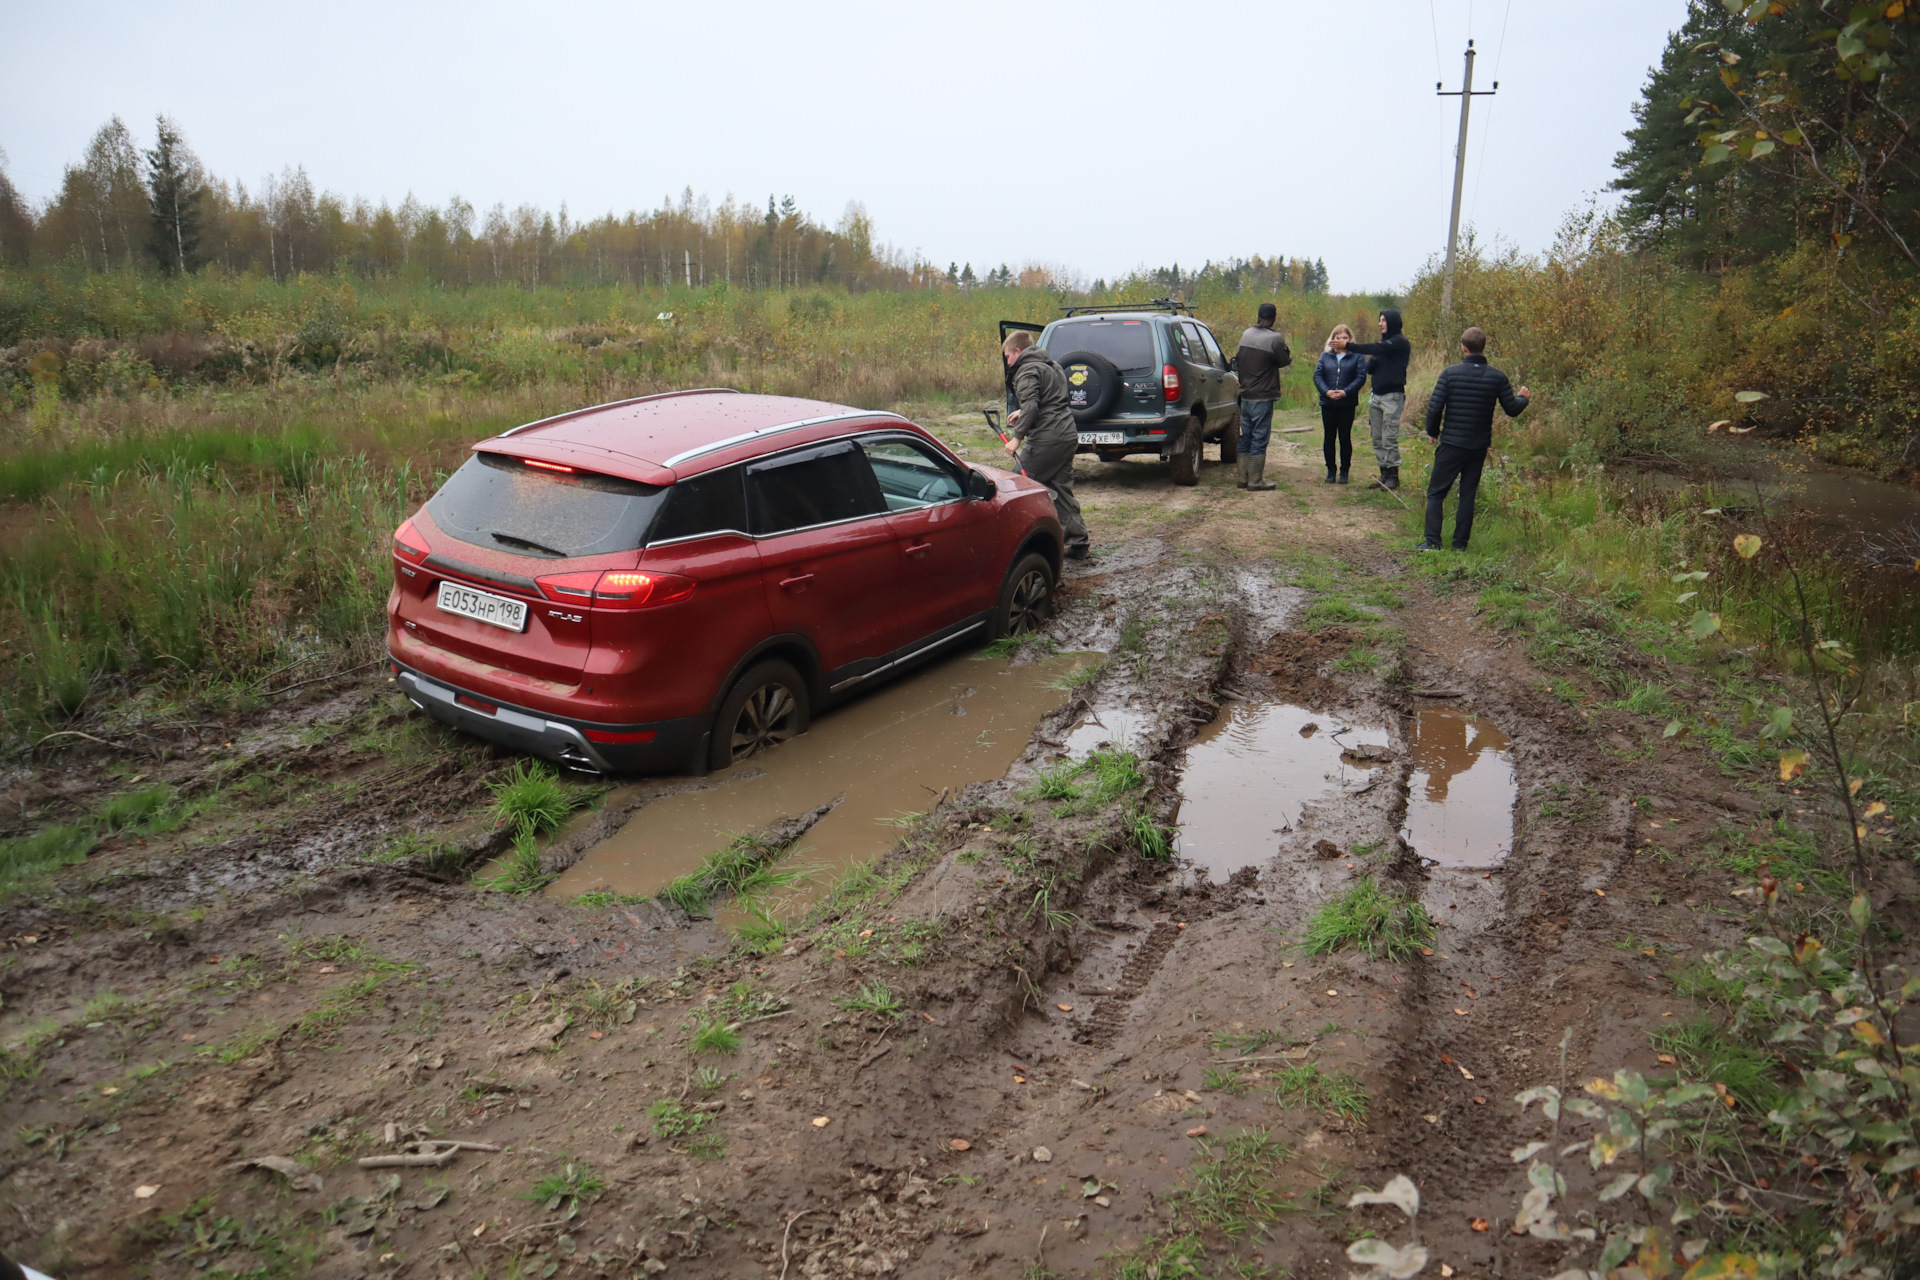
{"x":1338,"y":378}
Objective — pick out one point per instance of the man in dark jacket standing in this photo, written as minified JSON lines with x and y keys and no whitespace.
{"x":1388,"y":369}
{"x":1460,"y":423}
{"x":1262,"y":355}
{"x":1044,"y":424}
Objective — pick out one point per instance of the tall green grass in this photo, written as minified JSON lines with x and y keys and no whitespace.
{"x":187,"y":575}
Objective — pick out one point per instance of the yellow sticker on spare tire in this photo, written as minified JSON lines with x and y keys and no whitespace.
{"x":1078,"y":374}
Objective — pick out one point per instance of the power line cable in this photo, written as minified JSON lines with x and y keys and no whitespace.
{"x":1434,"y":19}
{"x":1486,"y":128}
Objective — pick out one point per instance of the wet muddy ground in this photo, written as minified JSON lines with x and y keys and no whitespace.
{"x":1014,"y":1044}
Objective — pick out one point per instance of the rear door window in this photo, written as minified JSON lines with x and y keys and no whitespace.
{"x":1195,"y":347}
{"x":1180,"y":343}
{"x":814,"y":486}
{"x":503,"y":503}
{"x":910,"y":474}
{"x":715,"y":502}
{"x":1128,"y":343}
{"x":1213,"y":348}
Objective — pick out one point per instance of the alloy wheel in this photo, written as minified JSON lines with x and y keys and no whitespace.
{"x":1027,"y":610}
{"x":765,"y":720}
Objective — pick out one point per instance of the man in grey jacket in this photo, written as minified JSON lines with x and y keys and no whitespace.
{"x":1044,"y":425}
{"x":1262,"y":355}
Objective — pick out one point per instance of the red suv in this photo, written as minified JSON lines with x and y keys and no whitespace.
{"x":681,"y":580}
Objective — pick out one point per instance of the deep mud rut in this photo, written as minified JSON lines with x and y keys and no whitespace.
{"x":1083,"y":1034}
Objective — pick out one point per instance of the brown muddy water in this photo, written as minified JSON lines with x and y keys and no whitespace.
{"x":887,"y":755}
{"x":1249,"y":774}
{"x":1461,"y":796}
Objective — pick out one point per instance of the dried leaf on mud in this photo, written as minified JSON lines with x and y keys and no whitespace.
{"x":1064,"y":1008}
{"x":1479,"y":1224}
{"x":1042,"y":1155}
{"x":1198,"y":1131}
{"x":821,"y":1122}
{"x":960,"y":1144}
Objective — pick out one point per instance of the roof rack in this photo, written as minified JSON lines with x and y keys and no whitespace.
{"x":1158,"y":304}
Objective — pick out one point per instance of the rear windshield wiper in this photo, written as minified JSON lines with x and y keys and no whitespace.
{"x":512,"y":541}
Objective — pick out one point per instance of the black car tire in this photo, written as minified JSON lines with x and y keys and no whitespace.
{"x":1026,"y":597}
{"x":765,"y":707}
{"x":1094,"y":399}
{"x":1184,"y":466}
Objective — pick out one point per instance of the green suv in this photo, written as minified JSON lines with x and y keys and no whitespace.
{"x":1143,"y":378}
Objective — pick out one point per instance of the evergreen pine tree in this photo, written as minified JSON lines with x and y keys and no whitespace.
{"x":174,"y":190}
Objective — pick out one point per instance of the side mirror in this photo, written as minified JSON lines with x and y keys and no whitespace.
{"x":980,"y":484}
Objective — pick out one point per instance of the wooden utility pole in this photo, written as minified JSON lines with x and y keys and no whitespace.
{"x":1466,"y":94}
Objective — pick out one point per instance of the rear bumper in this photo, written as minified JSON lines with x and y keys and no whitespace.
{"x":657,"y":747}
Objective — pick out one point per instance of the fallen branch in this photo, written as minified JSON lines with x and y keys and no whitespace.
{"x":783,"y":1239}
{"x":874,"y":1057}
{"x":430,"y":1154}
{"x":75,"y":733}
{"x":301,"y":684}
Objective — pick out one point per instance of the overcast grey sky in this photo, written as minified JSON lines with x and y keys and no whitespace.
{"x":1097,"y":135}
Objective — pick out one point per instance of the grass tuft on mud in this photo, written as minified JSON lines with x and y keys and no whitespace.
{"x":531,"y":799}
{"x":743,"y":871}
{"x":1367,"y":918}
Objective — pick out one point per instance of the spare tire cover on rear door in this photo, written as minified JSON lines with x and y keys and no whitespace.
{"x":1093,"y":384}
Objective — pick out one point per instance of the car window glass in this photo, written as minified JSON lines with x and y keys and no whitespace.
{"x":1128,"y":343}
{"x":710,"y":503}
{"x":910,"y":474}
{"x":1196,"y":348}
{"x":1213,"y":348}
{"x":1180,"y":340}
{"x":505,"y":504}
{"x":818,"y":486}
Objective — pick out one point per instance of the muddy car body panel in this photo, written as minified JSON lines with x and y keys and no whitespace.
{"x":1165,"y":385}
{"x":589,"y":588}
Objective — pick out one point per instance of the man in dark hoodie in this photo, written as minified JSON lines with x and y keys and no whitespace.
{"x":1460,"y":423}
{"x":1388,"y":369}
{"x":1044,"y":424}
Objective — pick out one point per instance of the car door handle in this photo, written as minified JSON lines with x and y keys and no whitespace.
{"x":796,"y":581}
{"x":919,"y":548}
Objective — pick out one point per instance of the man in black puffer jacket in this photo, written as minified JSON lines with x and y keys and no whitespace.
{"x":1388,"y":369}
{"x":1460,"y":423}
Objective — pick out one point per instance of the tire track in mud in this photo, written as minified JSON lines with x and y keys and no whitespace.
{"x":1110,"y":1011}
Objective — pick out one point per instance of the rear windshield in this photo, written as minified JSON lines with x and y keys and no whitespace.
{"x":1128,"y":343}
{"x":501,"y":502}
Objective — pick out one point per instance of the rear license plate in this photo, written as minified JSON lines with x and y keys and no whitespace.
{"x":1102,"y":437}
{"x":482,"y":606}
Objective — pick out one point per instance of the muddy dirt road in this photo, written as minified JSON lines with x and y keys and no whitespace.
{"x":1017,"y":1044}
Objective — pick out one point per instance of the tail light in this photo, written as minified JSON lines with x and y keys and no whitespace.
{"x":616,"y":588}
{"x":408,"y":544}
{"x":1170,"y":379}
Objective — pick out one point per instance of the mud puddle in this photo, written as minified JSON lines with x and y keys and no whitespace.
{"x":1250,"y":773}
{"x":882,"y":757}
{"x":1461,"y":795}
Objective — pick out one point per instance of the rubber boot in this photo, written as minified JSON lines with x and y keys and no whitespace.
{"x":1256,"y":474}
{"x":1342,"y":479}
{"x":1393,"y":477}
{"x":1332,"y":476}
{"x":1243,"y":463}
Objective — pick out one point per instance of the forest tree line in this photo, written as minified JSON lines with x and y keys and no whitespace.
{"x":124,"y":207}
